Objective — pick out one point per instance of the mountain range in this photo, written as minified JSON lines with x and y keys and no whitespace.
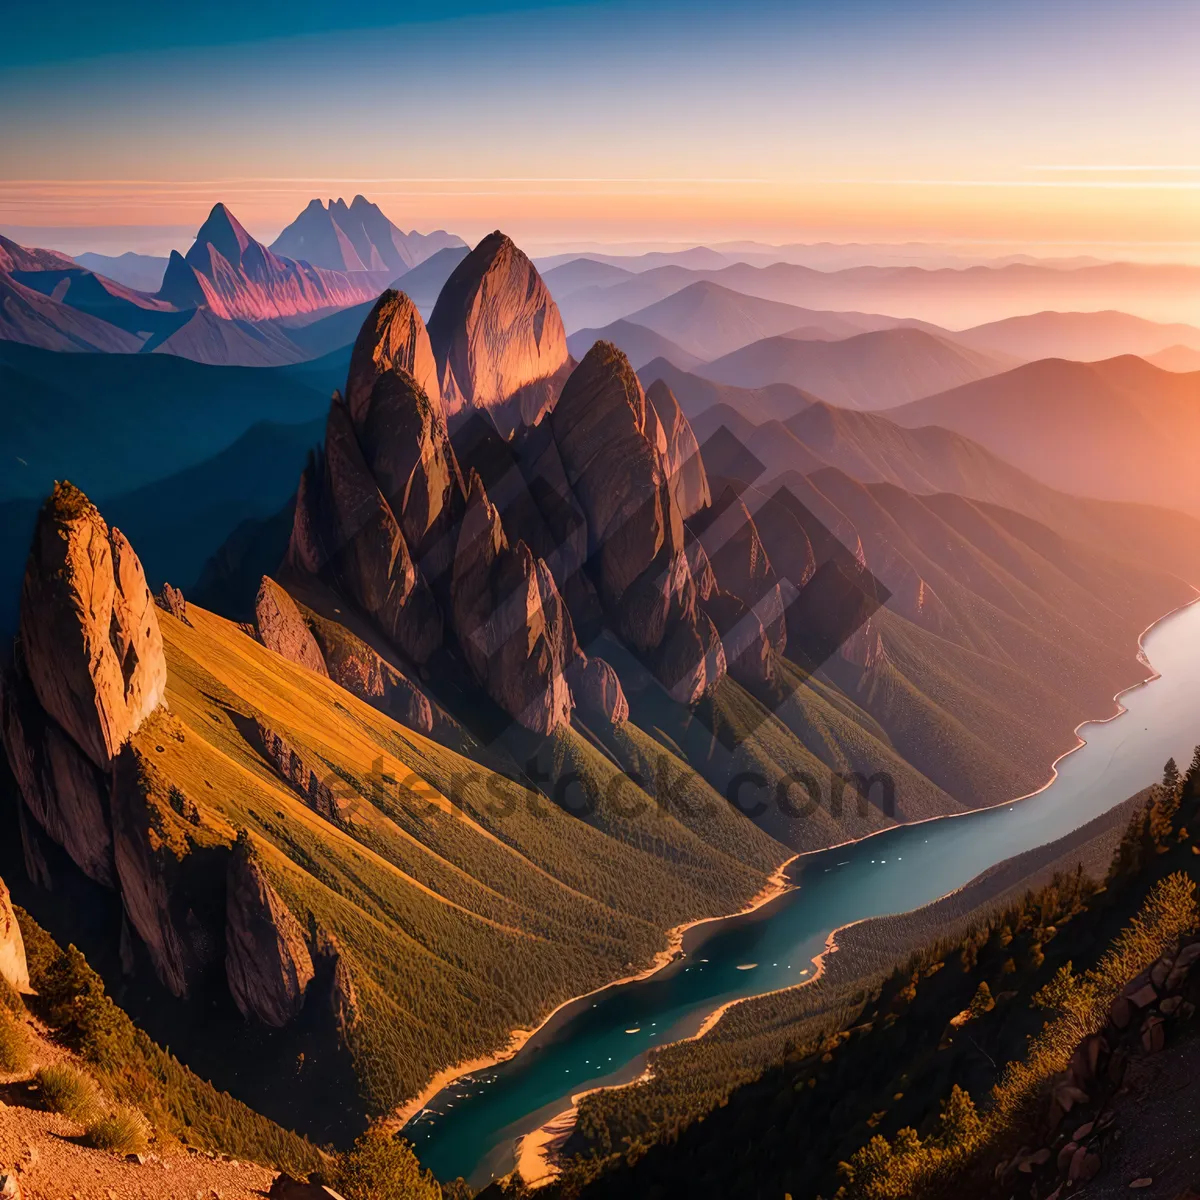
{"x":450,"y":718}
{"x":357,"y":237}
{"x":377,"y":825}
{"x":950,"y":298}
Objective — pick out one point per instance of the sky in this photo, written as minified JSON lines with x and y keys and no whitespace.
{"x":1057,"y":124}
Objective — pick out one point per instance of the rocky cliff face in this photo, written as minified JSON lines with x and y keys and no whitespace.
{"x":679,"y":450}
{"x":407,"y":449}
{"x":267,"y":961}
{"x":62,"y":789}
{"x":614,"y":456}
{"x":13,"y":968}
{"x":513,"y":628}
{"x":498,"y":339}
{"x":346,"y":531}
{"x":89,"y":629}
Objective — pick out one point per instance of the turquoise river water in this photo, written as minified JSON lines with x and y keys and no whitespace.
{"x":470,"y":1127}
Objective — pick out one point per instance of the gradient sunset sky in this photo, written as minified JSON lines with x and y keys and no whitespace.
{"x":1032,"y":123}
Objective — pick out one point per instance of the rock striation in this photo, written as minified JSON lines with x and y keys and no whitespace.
{"x":14,"y":970}
{"x":498,"y":339}
{"x":512,"y":625}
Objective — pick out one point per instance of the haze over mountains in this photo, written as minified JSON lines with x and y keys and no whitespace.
{"x":869,"y":370}
{"x":724,"y":535}
{"x":1134,"y":427}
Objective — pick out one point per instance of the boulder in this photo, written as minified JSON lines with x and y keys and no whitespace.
{"x":14,"y":970}
{"x":392,"y":337}
{"x":171,"y":600}
{"x":89,"y":628}
{"x":597,"y":691}
{"x":498,"y":339}
{"x":513,"y":628}
{"x":267,"y":963}
{"x":680,"y":451}
{"x":280,"y":627}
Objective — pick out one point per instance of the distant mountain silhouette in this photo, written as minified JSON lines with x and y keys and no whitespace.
{"x":28,"y":317}
{"x":1084,"y":336}
{"x":709,"y":320}
{"x":640,"y":345}
{"x":776,"y":401}
{"x":945,"y":297}
{"x":1123,"y":429}
{"x":1181,"y":359}
{"x":144,"y":272}
{"x":357,"y":237}
{"x":575,"y":273}
{"x":423,"y":284}
{"x":879,"y":369}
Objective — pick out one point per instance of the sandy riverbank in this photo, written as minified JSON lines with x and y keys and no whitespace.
{"x":775,"y":886}
{"x":537,"y":1152}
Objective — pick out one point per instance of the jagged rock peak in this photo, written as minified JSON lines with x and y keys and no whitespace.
{"x":614,"y":469}
{"x":267,"y":962}
{"x":614,"y":451}
{"x":225,"y":233}
{"x":89,"y":627}
{"x":14,"y":970}
{"x":498,"y":338}
{"x":393,"y":335}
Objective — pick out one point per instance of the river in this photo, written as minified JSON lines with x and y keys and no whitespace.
{"x":469,"y":1128}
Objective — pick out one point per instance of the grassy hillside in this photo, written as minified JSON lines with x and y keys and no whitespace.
{"x":465,"y":905}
